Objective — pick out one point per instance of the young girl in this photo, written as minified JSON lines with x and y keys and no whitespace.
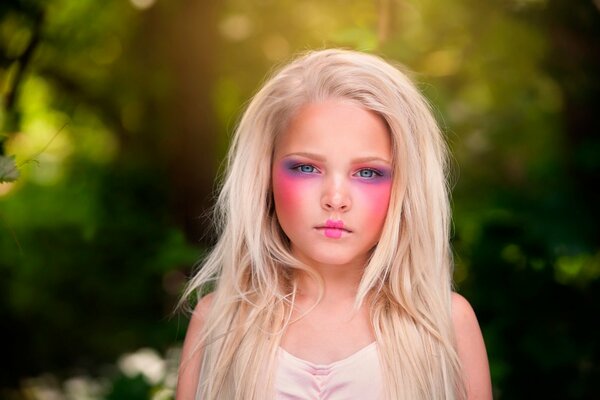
{"x":333,"y":268}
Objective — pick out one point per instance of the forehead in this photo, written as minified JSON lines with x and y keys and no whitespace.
{"x":336,"y":126}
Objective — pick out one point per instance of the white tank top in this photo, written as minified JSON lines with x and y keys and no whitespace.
{"x":358,"y":376}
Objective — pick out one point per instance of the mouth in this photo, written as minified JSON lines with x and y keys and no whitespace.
{"x":333,"y":229}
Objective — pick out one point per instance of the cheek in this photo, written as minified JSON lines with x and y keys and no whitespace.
{"x":375,"y":200}
{"x":289,"y":193}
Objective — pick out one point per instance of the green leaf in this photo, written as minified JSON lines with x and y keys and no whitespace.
{"x":8,"y":169}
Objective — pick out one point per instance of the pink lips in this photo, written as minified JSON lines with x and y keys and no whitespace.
{"x":334,"y":229}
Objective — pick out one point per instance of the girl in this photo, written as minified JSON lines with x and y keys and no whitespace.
{"x":333,"y":267}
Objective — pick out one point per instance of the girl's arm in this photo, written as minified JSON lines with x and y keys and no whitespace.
{"x":471,"y":350}
{"x":191,"y":355}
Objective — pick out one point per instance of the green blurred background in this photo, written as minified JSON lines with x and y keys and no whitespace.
{"x":115,"y":117}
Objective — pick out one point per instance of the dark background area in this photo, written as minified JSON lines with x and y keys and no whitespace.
{"x":115,"y":117}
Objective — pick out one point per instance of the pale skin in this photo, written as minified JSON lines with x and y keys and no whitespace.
{"x":336,"y":185}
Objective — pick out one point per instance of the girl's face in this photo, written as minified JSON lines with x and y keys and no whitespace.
{"x":332,"y":181}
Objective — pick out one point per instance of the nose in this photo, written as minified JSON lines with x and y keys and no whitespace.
{"x":336,"y":196}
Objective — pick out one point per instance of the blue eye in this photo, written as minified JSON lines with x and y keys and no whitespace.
{"x":305,"y":169}
{"x":368,"y":173}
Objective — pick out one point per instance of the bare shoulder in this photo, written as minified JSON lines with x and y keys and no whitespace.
{"x":471,"y":349}
{"x":203,"y":307}
{"x":191,"y":354}
{"x":462,"y":312}
{"x":199,"y":316}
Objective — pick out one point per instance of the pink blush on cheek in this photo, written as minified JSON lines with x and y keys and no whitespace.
{"x":287,"y":191}
{"x":377,"y":198}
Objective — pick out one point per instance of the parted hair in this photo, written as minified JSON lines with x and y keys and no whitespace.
{"x":407,"y":282}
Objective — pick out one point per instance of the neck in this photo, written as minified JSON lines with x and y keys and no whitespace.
{"x":340,"y":282}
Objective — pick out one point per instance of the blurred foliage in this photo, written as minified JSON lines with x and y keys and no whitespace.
{"x":117,"y":114}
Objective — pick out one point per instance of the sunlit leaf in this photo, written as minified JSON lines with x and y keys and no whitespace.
{"x":8,"y":169}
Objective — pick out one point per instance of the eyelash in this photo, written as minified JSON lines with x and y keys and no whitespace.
{"x":375,"y":172}
{"x":299,"y":167}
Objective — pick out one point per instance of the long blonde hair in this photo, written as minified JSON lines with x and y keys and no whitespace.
{"x":407,"y":281}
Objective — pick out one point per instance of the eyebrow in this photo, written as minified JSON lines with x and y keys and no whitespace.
{"x":318,"y":157}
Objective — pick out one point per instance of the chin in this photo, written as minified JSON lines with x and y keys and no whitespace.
{"x":315,"y":253}
{"x":335,"y":259}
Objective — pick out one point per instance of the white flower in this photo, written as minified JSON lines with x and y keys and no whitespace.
{"x":146,"y":362}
